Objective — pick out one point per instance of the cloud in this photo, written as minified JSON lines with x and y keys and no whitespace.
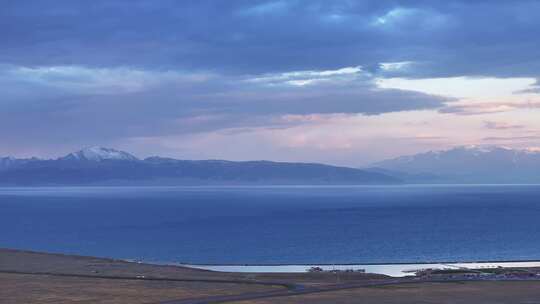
{"x":87,"y":104}
{"x":77,"y":72}
{"x":450,"y":38}
{"x":401,"y":19}
{"x":265,"y":8}
{"x":487,"y":108}
{"x":496,"y":125}
{"x":532,"y":89}
{"x":396,"y":69}
{"x":95,"y":81}
{"x":460,"y":87}
{"x":512,"y":138}
{"x":301,"y":78}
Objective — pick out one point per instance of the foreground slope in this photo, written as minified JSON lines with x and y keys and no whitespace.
{"x":30,"y":277}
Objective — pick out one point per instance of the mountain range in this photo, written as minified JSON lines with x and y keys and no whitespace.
{"x":104,"y":166}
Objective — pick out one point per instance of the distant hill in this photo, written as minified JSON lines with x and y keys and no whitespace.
{"x":468,"y":164}
{"x":103,"y":166}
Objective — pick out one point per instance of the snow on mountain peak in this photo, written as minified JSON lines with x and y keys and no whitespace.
{"x":99,"y":153}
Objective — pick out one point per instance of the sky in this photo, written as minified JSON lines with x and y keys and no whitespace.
{"x":340,"y":82}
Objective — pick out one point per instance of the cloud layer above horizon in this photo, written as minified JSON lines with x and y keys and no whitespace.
{"x":345,"y":82}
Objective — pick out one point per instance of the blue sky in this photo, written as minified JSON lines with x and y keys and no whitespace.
{"x":342,"y":82}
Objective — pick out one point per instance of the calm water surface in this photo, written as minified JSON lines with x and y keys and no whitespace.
{"x":273,"y":225}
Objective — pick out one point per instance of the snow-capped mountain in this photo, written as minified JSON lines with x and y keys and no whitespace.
{"x":471,"y":164}
{"x":99,"y":154}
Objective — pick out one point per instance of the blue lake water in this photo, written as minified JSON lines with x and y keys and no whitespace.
{"x":277,"y":225}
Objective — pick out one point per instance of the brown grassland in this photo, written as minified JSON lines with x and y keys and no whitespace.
{"x":29,"y":277}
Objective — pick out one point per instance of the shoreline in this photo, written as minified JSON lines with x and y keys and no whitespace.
{"x":393,"y":270}
{"x":352,"y":264}
{"x":397,"y":269}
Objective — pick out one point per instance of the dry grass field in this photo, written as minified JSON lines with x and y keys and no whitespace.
{"x":423,"y":293}
{"x":17,"y":288}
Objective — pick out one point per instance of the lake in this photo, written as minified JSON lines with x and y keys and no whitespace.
{"x":277,"y":225}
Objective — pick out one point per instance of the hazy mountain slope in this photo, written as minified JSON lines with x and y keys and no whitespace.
{"x":471,"y":164}
{"x":11,"y":162}
{"x":412,"y":178}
